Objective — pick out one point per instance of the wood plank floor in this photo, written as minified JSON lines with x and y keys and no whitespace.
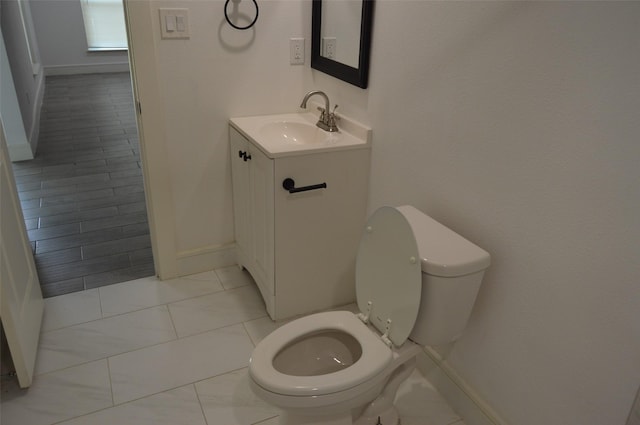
{"x":82,"y":196}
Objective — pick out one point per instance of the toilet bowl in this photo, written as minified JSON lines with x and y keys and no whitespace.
{"x":341,"y":368}
{"x":326,"y":362}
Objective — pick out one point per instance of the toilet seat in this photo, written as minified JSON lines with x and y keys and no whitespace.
{"x":374,"y":358}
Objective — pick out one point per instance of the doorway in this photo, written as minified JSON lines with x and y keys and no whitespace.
{"x":83,"y":194}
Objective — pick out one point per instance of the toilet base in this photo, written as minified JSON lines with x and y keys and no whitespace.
{"x":288,"y":419}
{"x":388,"y":417}
{"x":381,"y":411}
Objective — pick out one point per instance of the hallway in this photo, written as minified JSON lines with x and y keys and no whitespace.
{"x":83,"y":194}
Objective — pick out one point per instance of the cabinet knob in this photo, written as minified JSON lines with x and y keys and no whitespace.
{"x":243,"y":154}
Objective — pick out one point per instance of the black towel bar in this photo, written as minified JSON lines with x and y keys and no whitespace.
{"x":290,"y":185}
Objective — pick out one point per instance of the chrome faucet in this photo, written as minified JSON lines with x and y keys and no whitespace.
{"x":328,"y":119}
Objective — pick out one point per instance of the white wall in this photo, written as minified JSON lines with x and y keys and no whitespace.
{"x":18,"y":146}
{"x":514,"y":123}
{"x":219,"y":84}
{"x":27,"y":78}
{"x":63,"y":44}
{"x":218,"y":73}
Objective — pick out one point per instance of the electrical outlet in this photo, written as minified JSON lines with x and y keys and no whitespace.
{"x":296,"y":51}
{"x":329,"y":47}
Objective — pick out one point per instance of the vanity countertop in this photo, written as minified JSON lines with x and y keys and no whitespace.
{"x":296,"y":134}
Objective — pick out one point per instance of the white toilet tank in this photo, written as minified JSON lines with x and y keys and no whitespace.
{"x":452,"y":270}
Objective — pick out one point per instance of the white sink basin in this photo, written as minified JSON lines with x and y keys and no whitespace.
{"x":297,"y":134}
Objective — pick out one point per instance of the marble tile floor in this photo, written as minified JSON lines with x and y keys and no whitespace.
{"x":150,"y":352}
{"x":82,"y":195}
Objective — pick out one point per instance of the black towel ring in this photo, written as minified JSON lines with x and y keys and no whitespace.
{"x":226,"y":15}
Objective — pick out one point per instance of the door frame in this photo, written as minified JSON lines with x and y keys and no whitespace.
{"x":140,"y":23}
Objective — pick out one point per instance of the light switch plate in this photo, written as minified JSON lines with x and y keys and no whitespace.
{"x":174,"y":23}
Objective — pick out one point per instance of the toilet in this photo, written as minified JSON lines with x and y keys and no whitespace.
{"x":416,"y":283}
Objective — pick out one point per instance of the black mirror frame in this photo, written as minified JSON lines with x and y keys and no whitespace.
{"x":357,"y":76}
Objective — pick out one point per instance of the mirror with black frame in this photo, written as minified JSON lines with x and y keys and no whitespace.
{"x":341,"y":39}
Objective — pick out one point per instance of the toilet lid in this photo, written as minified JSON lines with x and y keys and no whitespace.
{"x":389,"y":274}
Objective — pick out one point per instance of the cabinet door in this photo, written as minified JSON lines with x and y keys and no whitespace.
{"x":262,"y":216}
{"x":318,"y":231}
{"x":252,"y":179}
{"x":240,"y":182}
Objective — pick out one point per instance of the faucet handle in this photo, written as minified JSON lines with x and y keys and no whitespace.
{"x":323,"y":113}
{"x":332,"y":119}
{"x":333,"y":115}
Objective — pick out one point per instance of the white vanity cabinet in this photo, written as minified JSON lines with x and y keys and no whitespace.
{"x":300,"y":247}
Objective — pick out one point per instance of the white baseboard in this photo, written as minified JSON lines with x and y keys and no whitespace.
{"x":34,"y":132}
{"x":99,"y":68}
{"x":19,"y":152}
{"x":634,"y":415}
{"x":205,"y":259}
{"x":462,"y":398}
